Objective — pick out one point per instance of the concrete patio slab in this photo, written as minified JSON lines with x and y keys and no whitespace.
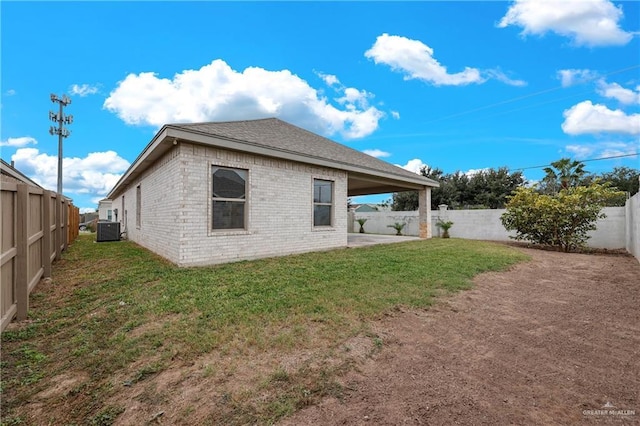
{"x":360,"y":240}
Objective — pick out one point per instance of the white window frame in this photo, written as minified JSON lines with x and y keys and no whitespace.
{"x":245,"y":200}
{"x":332,"y":204}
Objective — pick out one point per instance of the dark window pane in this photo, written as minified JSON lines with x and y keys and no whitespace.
{"x":229,"y":183}
{"x":322,"y":190}
{"x":321,"y":215}
{"x":228,"y":214}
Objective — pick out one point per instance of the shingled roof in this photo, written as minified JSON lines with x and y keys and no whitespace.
{"x":276,"y":138}
{"x":282,"y":136}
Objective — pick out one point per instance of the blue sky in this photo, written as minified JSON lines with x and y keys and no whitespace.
{"x":455,"y":85}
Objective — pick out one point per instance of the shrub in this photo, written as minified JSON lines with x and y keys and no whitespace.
{"x":562,"y":220}
{"x":445,"y":226}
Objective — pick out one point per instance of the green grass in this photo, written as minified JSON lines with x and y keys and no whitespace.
{"x":117,"y":309}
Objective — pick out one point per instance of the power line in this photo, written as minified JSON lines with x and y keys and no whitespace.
{"x":529,"y":95}
{"x":582,"y":161}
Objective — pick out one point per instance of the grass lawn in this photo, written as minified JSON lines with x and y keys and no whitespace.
{"x":116,"y":320}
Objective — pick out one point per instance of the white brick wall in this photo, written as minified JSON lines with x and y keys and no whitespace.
{"x":161,"y":189}
{"x":176,"y":208}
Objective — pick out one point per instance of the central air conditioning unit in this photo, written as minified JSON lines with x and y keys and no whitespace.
{"x":108,"y":231}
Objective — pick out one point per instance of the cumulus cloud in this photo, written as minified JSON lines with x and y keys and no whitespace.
{"x":218,"y":92}
{"x":377,"y":153}
{"x":94,"y":174}
{"x":579,"y":151}
{"x":602,"y":149}
{"x":571,"y":77}
{"x":585,"y":22}
{"x":586,"y":117}
{"x":328,"y":79}
{"x":414,"y":165}
{"x":395,"y":114}
{"x":621,"y":94}
{"x":473,"y":172}
{"x":83,"y":90}
{"x":10,"y":92}
{"x":18,"y":142}
{"x":415,"y":60}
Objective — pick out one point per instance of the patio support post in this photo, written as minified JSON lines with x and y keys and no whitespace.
{"x":424,"y":212}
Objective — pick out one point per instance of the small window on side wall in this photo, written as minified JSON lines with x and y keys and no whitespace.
{"x":322,"y":202}
{"x":229,"y":198}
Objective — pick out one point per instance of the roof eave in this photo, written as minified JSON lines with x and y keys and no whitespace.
{"x":168,"y":135}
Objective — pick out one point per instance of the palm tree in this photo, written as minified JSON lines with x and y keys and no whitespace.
{"x":563,"y":174}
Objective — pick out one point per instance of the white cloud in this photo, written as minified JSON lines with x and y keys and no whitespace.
{"x":94,"y":174}
{"x":395,"y":114}
{"x":83,"y":210}
{"x":217,"y":92}
{"x":602,"y":149}
{"x":17,"y":142}
{"x":580,"y":151}
{"x":473,"y":172}
{"x":571,"y":77}
{"x":414,"y":165}
{"x":586,"y":117}
{"x":497,"y":74}
{"x":621,"y":94}
{"x":377,"y":153}
{"x":10,"y":92}
{"x":83,"y":90}
{"x":585,"y":22}
{"x":328,"y":79}
{"x":415,"y":59}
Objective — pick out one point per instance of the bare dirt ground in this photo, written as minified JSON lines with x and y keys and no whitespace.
{"x":552,"y":341}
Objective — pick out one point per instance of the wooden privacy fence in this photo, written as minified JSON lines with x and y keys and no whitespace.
{"x":37,"y":226}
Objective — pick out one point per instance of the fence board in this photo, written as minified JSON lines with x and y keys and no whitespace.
{"x":36,"y":226}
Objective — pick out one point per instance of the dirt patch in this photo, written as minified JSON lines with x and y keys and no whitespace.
{"x":552,"y":341}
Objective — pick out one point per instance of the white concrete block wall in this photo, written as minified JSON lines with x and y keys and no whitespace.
{"x":486,"y":225}
{"x":377,"y":222}
{"x":482,"y":224}
{"x":610,"y":231}
{"x":632,"y":209}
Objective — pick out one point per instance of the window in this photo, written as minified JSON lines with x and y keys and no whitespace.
{"x":229,"y":198}
{"x":109,"y":215}
{"x":322,"y":202}
{"x":138,"y":205}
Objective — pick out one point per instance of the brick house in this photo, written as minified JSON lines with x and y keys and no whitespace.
{"x":208,"y":193}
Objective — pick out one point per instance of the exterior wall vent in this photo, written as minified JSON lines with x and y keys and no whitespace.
{"x":108,"y":231}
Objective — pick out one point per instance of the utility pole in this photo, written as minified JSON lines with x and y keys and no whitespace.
{"x":61,"y":131}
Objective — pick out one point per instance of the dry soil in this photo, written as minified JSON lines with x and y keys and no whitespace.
{"x":552,"y":341}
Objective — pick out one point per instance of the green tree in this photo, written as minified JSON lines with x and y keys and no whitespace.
{"x":487,"y":189}
{"x":561,"y":220}
{"x":623,"y":178}
{"x":562,"y":174}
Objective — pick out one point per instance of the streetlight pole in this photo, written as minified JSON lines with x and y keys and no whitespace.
{"x":61,"y":131}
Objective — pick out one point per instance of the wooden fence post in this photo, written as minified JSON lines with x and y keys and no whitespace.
{"x":65,"y":221}
{"x":58,"y":226}
{"x":46,"y":229}
{"x":22,"y":242}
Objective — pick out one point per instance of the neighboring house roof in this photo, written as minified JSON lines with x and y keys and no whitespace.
{"x":365,"y":208}
{"x":8,"y":170}
{"x":275,"y":138}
